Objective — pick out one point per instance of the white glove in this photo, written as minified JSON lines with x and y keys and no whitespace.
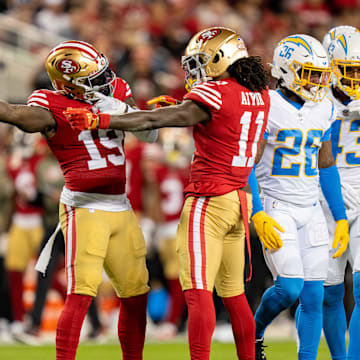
{"x":110,"y":105}
{"x":113,"y":106}
{"x":354,"y":107}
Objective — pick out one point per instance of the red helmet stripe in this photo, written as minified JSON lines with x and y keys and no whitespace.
{"x":78,"y":46}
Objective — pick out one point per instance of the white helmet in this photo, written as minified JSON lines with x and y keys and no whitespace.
{"x":297,"y":59}
{"x":344,"y":55}
{"x":335,"y":32}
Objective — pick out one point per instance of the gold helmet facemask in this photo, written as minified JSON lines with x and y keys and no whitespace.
{"x":307,"y":75}
{"x":344,"y":72}
{"x":344,"y":53}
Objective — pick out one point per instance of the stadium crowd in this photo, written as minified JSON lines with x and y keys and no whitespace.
{"x":143,"y":41}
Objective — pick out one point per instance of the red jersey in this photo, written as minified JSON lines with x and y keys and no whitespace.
{"x":226,"y":146}
{"x":92,"y":161}
{"x":24,"y":179}
{"x":171,"y":182}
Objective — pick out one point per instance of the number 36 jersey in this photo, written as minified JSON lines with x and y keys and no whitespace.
{"x":92,"y":161}
{"x":288,"y":169}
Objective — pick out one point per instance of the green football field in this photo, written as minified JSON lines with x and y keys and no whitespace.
{"x":277,"y":350}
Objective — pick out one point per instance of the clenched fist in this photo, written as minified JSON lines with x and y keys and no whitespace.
{"x":84,"y":119}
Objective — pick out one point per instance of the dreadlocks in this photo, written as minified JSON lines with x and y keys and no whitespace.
{"x":250,"y":73}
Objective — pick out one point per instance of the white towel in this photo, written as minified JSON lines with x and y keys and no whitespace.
{"x":44,"y":258}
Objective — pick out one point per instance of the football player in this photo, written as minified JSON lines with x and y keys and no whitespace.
{"x":228,"y":106}
{"x":170,"y":180}
{"x":296,"y":153}
{"x":136,"y":183}
{"x":100,"y":229}
{"x":26,"y":228}
{"x":344,"y":54}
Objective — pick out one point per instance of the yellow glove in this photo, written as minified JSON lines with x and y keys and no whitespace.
{"x":265,"y":227}
{"x":163,"y":100}
{"x":341,"y":237}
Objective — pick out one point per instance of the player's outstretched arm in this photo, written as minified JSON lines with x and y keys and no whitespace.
{"x":27,"y":118}
{"x":113,"y":106}
{"x":188,"y":113}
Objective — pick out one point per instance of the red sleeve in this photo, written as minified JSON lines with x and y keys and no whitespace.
{"x":207,"y":95}
{"x":39,"y":98}
{"x":122,"y":89}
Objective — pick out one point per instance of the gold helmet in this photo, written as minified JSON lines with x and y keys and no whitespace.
{"x":77,"y":69}
{"x":209,"y":53}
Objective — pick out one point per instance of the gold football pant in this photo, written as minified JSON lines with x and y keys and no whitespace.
{"x":169,"y":258}
{"x":211,"y":244}
{"x":97,"y":239}
{"x":23,"y":244}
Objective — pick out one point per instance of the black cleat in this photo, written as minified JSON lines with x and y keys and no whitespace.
{"x":260,"y":349}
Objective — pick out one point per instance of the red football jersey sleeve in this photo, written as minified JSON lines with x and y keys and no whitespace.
{"x":91,"y":161}
{"x":226,"y":146}
{"x":122,"y":89}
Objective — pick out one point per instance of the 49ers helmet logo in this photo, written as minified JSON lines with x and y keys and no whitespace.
{"x":68,"y":66}
{"x":209,"y":34}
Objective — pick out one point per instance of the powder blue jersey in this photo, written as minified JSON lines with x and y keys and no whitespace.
{"x":288,"y":170}
{"x":345,"y":139}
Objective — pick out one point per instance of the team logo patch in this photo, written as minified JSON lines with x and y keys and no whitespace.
{"x":68,"y":66}
{"x":209,"y":34}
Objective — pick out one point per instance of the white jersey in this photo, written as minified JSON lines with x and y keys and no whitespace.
{"x":288,"y":170}
{"x":345,"y":139}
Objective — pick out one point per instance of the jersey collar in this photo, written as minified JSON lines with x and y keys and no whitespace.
{"x":295,"y":104}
